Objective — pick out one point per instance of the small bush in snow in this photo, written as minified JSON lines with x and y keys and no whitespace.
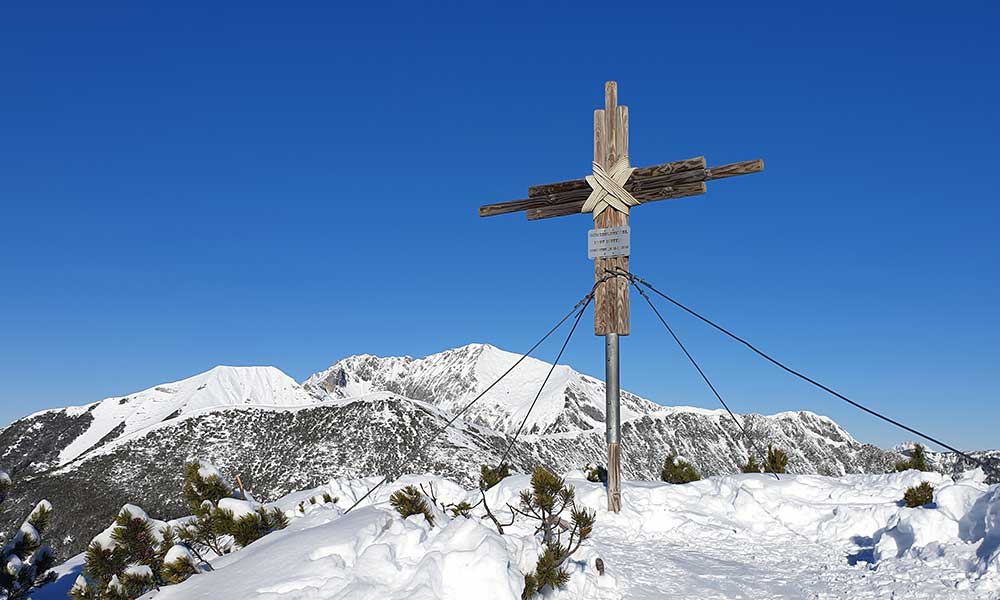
{"x":548,"y":498}
{"x":250,"y":527}
{"x":462,"y":509}
{"x":203,"y":483}
{"x":596,"y":473}
{"x":203,"y":488}
{"x":548,"y":573}
{"x":919,"y":495}
{"x":24,"y":560}
{"x":490,"y":476}
{"x":917,"y":460}
{"x":326,"y":498}
{"x":777,"y":460}
{"x":215,"y":527}
{"x":751,"y":466}
{"x":138,"y":556}
{"x":678,"y":471}
{"x":409,"y":501}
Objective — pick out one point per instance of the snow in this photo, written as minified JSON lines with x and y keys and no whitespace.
{"x":207,"y":469}
{"x":105,"y":538}
{"x":139,"y":571}
{"x":13,"y":565}
{"x":219,"y":387}
{"x":178,"y":552}
{"x":28,"y":532}
{"x":368,"y":553}
{"x":66,"y":575}
{"x":240,"y":508}
{"x":739,"y":536}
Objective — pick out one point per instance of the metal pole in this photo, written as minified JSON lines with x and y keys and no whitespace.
{"x":613,"y":420}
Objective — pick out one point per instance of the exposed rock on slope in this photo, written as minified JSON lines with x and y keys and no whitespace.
{"x":570,"y":402}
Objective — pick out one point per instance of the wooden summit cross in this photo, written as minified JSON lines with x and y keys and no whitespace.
{"x":608,"y":194}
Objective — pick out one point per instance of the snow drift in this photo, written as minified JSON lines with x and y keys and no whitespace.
{"x":749,"y":536}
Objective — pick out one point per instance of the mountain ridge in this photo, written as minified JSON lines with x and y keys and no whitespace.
{"x":356,"y":419}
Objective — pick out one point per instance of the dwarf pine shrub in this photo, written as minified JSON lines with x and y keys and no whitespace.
{"x":490,"y":476}
{"x":548,"y":573}
{"x":917,"y":460}
{"x":919,"y":495}
{"x":203,"y":489}
{"x":776,"y":461}
{"x":252,"y":526}
{"x":216,"y":528}
{"x":199,"y":488}
{"x":676,"y":470}
{"x":410,"y":501}
{"x":751,"y":466}
{"x":547,"y":499}
{"x":140,"y":557}
{"x":462,"y":509}
{"x":24,"y":560}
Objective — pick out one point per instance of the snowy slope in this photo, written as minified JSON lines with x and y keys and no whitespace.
{"x":737,"y":536}
{"x":222,"y":386}
{"x":570,"y":401}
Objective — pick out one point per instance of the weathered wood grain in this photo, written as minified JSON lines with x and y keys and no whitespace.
{"x":669,"y":168}
{"x":661,"y":169}
{"x":733,"y":169}
{"x":611,"y":302}
{"x":635,"y":185}
{"x":614,"y":477}
{"x":653,"y":195}
{"x":641,"y":189}
{"x":642,"y":186}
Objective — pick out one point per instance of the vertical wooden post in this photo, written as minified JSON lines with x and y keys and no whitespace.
{"x":611,"y":307}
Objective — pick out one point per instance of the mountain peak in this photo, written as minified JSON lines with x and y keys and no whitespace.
{"x":450,"y":380}
{"x":220,"y":386}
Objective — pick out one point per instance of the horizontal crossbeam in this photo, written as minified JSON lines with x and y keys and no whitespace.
{"x":682,"y":190}
{"x":656,"y":182}
{"x":659,"y":170}
{"x":575,"y":189}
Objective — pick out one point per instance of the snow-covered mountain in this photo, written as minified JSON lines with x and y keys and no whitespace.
{"x":359,"y":418}
{"x":55,"y":437}
{"x":570,"y":402}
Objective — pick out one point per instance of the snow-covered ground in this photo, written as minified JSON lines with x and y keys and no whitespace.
{"x":741,"y":536}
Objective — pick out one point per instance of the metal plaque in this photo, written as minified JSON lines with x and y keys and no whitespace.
{"x":608,"y":242}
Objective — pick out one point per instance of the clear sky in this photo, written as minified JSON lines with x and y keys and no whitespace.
{"x":185,"y":185}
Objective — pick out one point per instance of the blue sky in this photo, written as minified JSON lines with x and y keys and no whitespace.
{"x":186,"y":185}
